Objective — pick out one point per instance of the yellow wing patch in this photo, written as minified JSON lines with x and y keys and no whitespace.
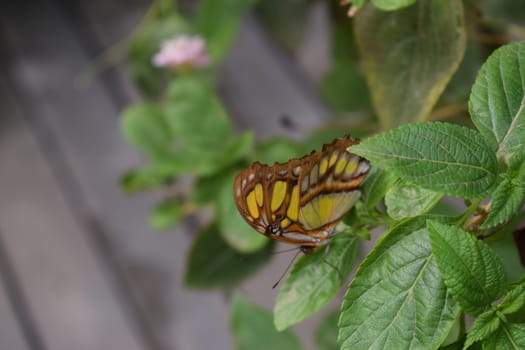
{"x":253,"y":209}
{"x":259,"y":194}
{"x":293,"y":206}
{"x":323,"y":167}
{"x":340,"y":166}
{"x":278,"y":195}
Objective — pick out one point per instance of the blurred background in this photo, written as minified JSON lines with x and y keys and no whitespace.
{"x":80,"y":265}
{"x":80,"y":268}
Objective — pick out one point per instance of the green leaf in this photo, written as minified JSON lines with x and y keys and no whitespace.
{"x":314,"y":280}
{"x":390,"y":5}
{"x":195,"y":115}
{"x":218,"y":22}
{"x":508,"y":337}
{"x":202,"y":129}
{"x":406,"y":200}
{"x":497,"y":99}
{"x":474,"y":274}
{"x":376,"y":185}
{"x":325,"y":335}
{"x":438,"y":156}
{"x":253,"y":329}
{"x":135,"y":180}
{"x":144,"y":126}
{"x":234,"y":229}
{"x":408,"y":56}
{"x":484,"y":325}
{"x":506,"y":201}
{"x":514,"y":300}
{"x":166,"y":214}
{"x":397,"y":299}
{"x":213,"y":263}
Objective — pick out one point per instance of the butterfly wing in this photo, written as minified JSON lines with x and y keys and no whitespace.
{"x":331,"y":187}
{"x":301,"y":201}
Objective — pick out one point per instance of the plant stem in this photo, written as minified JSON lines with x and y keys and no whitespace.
{"x":470,"y":210}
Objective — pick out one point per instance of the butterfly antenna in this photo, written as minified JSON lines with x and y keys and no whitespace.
{"x":286,"y":270}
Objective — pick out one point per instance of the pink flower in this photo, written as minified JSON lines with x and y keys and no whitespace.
{"x":182,"y":51}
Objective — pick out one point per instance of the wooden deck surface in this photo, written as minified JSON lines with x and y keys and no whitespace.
{"x":79,"y":266}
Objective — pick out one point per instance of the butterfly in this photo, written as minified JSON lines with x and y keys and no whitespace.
{"x":301,"y":201}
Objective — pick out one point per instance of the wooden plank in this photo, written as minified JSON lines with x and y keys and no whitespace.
{"x":66,"y":291}
{"x":11,"y":333}
{"x":89,"y":155}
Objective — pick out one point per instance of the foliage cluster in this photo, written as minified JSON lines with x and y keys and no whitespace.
{"x":433,"y":264}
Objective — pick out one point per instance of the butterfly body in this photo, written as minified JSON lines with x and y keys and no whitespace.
{"x":302,"y":201}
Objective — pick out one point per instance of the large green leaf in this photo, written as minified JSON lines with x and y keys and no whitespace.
{"x":397,"y":299}
{"x":213,"y":263}
{"x":497,"y":99}
{"x":409,"y":56}
{"x":253,"y":329}
{"x":314,"y":280}
{"x":439,"y":156}
{"x":474,"y":274}
{"x":406,"y":200}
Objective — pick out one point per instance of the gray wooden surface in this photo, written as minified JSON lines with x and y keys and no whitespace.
{"x":80,"y":267}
